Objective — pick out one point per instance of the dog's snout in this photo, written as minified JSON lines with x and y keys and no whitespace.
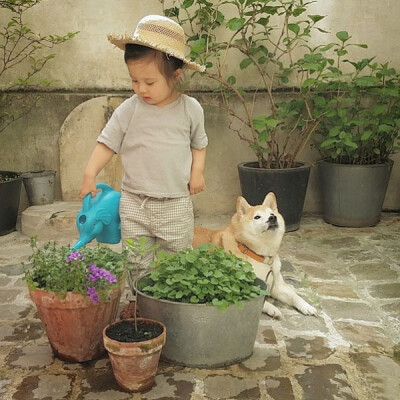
{"x":272,"y":219}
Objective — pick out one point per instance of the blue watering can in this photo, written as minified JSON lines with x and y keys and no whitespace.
{"x":99,"y":217}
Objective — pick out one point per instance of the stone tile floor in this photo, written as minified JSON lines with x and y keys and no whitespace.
{"x":349,"y":351}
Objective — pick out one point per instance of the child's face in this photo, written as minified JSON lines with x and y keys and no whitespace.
{"x":150,"y":84}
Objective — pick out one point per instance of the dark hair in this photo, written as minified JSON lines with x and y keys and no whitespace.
{"x":167,"y":64}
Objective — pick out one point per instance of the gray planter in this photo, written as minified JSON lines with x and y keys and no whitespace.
{"x":353,"y":195}
{"x":39,"y":187}
{"x":202,"y":336}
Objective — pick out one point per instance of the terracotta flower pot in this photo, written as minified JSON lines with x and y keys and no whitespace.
{"x":74,"y":325}
{"x":135,"y":363}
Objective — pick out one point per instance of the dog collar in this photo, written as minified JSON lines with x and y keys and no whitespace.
{"x":245,"y":250}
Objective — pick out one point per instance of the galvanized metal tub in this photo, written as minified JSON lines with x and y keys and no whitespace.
{"x":200,"y":335}
{"x":39,"y":187}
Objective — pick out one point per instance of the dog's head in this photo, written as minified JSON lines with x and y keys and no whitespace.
{"x":260,"y":220}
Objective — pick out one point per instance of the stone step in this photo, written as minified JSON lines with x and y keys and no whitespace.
{"x":51,"y":221}
{"x":58,"y":221}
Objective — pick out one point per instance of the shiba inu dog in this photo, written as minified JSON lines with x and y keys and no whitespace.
{"x":255,"y":234}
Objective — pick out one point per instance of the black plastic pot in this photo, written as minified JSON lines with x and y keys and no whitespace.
{"x":10,"y":191}
{"x":353,"y":195}
{"x":288,"y":184}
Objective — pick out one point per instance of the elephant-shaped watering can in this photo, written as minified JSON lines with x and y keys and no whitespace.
{"x":99,"y":217}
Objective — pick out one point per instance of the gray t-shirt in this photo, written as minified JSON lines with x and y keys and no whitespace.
{"x":155,"y":144}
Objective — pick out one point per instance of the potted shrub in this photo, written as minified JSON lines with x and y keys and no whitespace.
{"x":77,"y":294}
{"x":134,"y":344}
{"x":210,"y":302}
{"x":134,"y":347}
{"x":356,"y":137}
{"x":268,"y":41}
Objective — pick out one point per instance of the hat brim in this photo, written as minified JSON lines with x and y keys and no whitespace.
{"x":122,"y":40}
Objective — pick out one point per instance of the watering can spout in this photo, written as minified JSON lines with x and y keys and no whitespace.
{"x":80,"y":243}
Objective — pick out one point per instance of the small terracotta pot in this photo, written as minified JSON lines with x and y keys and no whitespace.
{"x":135,"y":364}
{"x":74,"y":325}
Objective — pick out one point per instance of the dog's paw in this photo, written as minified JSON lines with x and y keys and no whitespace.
{"x":271,"y":310}
{"x":306,"y":308}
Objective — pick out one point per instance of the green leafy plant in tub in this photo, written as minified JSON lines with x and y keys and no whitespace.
{"x":206,"y":275}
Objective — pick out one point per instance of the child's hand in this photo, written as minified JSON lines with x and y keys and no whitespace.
{"x":88,"y":186}
{"x":197,"y":183}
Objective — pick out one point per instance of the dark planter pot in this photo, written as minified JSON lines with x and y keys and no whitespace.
{"x":288,"y":184}
{"x":353,"y":195}
{"x":10,"y":191}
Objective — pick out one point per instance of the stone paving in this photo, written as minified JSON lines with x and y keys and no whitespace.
{"x":349,"y":351}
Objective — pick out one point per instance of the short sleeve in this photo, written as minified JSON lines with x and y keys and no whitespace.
{"x":198,"y":136}
{"x":114,"y":132}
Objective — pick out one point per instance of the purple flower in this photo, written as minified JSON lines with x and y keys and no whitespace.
{"x":92,"y":293}
{"x":74,"y":256}
{"x":96,"y":274}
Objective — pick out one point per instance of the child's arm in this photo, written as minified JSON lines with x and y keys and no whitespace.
{"x":100,"y":157}
{"x":197,"y":183}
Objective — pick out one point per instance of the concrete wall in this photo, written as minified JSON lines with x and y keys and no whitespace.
{"x":88,"y":67}
{"x":90,"y":62}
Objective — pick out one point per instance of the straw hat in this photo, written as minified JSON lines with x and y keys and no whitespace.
{"x":159,"y":33}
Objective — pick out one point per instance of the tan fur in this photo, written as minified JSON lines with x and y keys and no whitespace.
{"x":261,"y":229}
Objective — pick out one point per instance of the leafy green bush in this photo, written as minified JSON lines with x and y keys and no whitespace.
{"x":361,"y":123}
{"x":272,"y":41}
{"x":21,"y":46}
{"x":89,"y":271}
{"x":206,"y":275}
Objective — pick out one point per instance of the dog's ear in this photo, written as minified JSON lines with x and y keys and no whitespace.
{"x":270,"y":201}
{"x":242,"y":205}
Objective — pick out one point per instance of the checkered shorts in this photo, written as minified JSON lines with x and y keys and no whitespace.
{"x":167,"y":222}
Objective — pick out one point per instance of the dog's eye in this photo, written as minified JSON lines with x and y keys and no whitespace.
{"x":257,"y":217}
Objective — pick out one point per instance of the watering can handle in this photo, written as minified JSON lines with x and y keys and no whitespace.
{"x":104,"y":187}
{"x":86,"y":200}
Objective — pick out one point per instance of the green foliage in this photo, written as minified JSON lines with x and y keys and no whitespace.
{"x":21,"y":46}
{"x":354,"y":115}
{"x":361,"y":112}
{"x":264,"y":36}
{"x":53,"y":269}
{"x":206,"y":275}
{"x":140,"y":247}
{"x":8,"y":176}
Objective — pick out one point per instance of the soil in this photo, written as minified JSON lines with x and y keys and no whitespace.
{"x":124,"y":331}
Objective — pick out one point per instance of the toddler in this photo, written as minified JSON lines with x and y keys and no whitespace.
{"x":160,"y":136}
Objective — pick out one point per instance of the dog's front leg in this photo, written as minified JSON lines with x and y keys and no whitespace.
{"x":269,"y":308}
{"x":283,"y":292}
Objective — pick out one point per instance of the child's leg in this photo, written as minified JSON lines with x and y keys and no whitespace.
{"x":175,"y":224}
{"x":134,"y":224}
